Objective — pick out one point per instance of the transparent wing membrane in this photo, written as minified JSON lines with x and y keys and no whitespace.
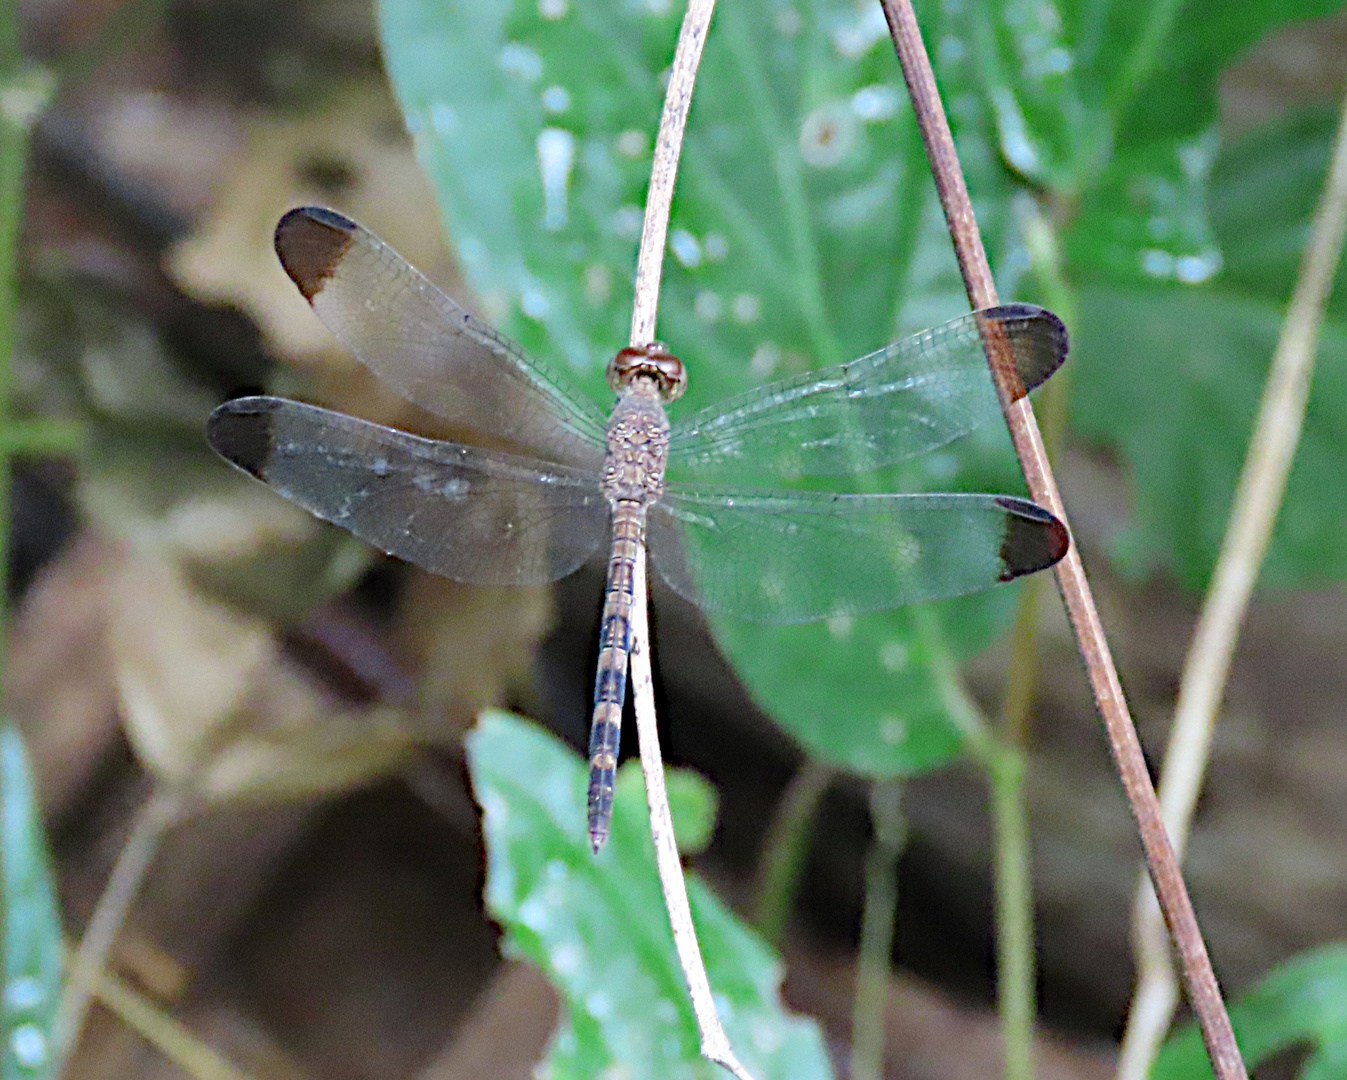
{"x":467,"y":513}
{"x":903,"y":401}
{"x":429,"y":348}
{"x":788,"y":557}
{"x":490,"y":518}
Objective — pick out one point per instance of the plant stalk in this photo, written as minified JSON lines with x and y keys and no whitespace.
{"x":1016,"y":970}
{"x":786,"y":847}
{"x":1258,"y":498}
{"x":878,"y":918}
{"x":1204,"y":993}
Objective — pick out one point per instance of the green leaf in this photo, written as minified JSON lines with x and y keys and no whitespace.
{"x":1153,"y":71}
{"x":1046,"y":132}
{"x":1265,"y":187}
{"x":804,"y":232}
{"x":859,"y":692}
{"x":1303,"y":1000}
{"x":32,"y":935}
{"x":692,"y":803}
{"x":1162,"y":61}
{"x":797,"y":207}
{"x":597,"y":926}
{"x":1145,"y":217}
{"x":1172,"y":378}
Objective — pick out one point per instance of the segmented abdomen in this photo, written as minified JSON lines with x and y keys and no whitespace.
{"x":610,"y":681}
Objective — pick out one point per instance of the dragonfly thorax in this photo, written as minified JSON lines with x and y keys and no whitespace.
{"x":638,"y":445}
{"x":651,"y":361}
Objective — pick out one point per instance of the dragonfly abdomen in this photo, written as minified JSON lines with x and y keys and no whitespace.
{"x":610,"y":681}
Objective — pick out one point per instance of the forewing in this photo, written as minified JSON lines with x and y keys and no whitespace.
{"x":467,"y":513}
{"x":426,"y":346}
{"x":902,"y":401}
{"x":788,"y":557}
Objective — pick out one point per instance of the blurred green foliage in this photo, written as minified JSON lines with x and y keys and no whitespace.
{"x":597,"y":924}
{"x":805,"y":231}
{"x":32,"y":929}
{"x":1171,"y":378}
{"x":1302,"y":1001}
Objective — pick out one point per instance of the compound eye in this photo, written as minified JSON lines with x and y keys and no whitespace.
{"x":621,"y":368}
{"x":651,"y":361}
{"x":673,"y":376}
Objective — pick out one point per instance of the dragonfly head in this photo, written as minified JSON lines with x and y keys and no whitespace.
{"x":652,"y":362}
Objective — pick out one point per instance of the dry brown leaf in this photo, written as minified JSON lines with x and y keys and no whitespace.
{"x":356,"y":136}
{"x":468,"y":645}
{"x":209,"y":699}
{"x":59,"y":678}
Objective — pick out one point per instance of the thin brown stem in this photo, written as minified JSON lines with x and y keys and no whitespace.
{"x":1022,"y":679}
{"x":715,"y":1044}
{"x":785,"y":847}
{"x":1199,"y":978}
{"x":1258,"y":498}
{"x":155,"y":817}
{"x":176,"y":1042}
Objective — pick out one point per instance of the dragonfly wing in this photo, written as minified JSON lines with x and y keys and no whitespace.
{"x":902,"y":401}
{"x":461,"y":511}
{"x":426,"y":346}
{"x":796,"y":556}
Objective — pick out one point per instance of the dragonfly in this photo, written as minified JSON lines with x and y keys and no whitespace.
{"x":581,"y":481}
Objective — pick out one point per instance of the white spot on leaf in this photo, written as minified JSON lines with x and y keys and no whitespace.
{"x":854,"y":39}
{"x":24,"y":992}
{"x":443,"y":119}
{"x":521,"y":61}
{"x":840,"y":626}
{"x":631,"y":143}
{"x":827,"y":135}
{"x":746,"y":308}
{"x":766,"y":357}
{"x":879,"y":101}
{"x":1156,"y":263}
{"x":685,"y":248}
{"x":28,"y":1045}
{"x":627,"y":221}
{"x":566,"y":959}
{"x":892,"y":730}
{"x":598,"y":283}
{"x":893,"y":656}
{"x":533,"y":301}
{"x":1195,"y":269}
{"x":707,"y":306}
{"x":556,"y":158}
{"x":556,"y":99}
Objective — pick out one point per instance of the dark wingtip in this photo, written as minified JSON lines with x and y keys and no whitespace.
{"x":310,"y":242}
{"x":1041,"y":340}
{"x":240,"y":431}
{"x":1033,"y":540}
